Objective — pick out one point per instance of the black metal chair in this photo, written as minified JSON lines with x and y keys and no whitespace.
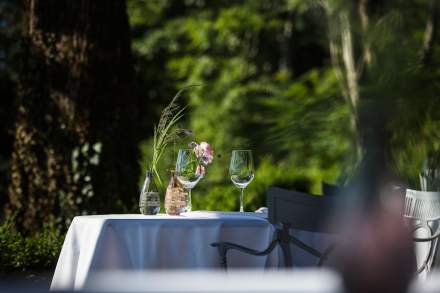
{"x":329,"y":189}
{"x":290,"y":210}
{"x":423,"y":209}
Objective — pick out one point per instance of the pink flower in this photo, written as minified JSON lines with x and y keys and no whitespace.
{"x":207,"y":152}
{"x":200,"y":170}
{"x":198,"y":150}
{"x":203,"y":151}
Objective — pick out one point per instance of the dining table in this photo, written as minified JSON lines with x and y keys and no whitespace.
{"x":135,"y":242}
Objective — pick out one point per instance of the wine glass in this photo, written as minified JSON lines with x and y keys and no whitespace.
{"x":241,"y":171}
{"x":188,"y":172}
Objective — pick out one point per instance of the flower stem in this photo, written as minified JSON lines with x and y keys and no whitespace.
{"x":241,"y":200}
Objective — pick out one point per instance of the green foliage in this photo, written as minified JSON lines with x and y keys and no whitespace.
{"x":268,"y":86}
{"x":256,"y":91}
{"x":38,"y":251}
{"x":225,"y":196}
{"x":398,"y":107}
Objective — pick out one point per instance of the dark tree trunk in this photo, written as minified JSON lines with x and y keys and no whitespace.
{"x":75,"y":142}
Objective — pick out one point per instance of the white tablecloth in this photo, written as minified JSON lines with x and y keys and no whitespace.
{"x":137,"y":242}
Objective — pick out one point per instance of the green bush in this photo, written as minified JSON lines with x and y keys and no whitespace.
{"x":38,"y":251}
{"x":253,"y":94}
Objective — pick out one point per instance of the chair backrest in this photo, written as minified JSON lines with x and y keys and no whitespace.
{"x":329,"y":189}
{"x":299,"y":210}
{"x":423,"y":208}
{"x":422,"y":205}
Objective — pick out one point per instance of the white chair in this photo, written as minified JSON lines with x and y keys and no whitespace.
{"x":422,"y":208}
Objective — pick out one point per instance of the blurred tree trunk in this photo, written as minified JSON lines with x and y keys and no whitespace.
{"x":352,"y":60}
{"x":75,"y":143}
{"x":430,"y":35}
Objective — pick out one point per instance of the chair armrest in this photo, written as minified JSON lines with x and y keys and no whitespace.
{"x":426,"y":239}
{"x":223,"y":248}
{"x":229,"y":245}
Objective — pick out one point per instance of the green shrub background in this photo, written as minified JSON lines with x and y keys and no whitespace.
{"x":35,"y":252}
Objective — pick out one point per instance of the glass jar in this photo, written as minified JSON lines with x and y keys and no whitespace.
{"x":149,"y":199}
{"x":175,"y":197}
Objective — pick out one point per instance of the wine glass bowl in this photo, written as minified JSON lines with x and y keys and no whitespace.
{"x":241,"y":171}
{"x":187,"y":172}
{"x":188,"y":182}
{"x":243,"y":180}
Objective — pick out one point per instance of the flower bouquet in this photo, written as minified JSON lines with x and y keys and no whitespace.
{"x":165,"y":132}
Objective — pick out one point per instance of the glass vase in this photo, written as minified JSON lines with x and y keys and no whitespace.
{"x":149,"y":199}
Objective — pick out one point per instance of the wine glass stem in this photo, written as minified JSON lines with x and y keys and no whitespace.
{"x":241,"y":200}
{"x":188,"y":206}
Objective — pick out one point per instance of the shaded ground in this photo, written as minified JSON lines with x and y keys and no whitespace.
{"x":37,"y":280}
